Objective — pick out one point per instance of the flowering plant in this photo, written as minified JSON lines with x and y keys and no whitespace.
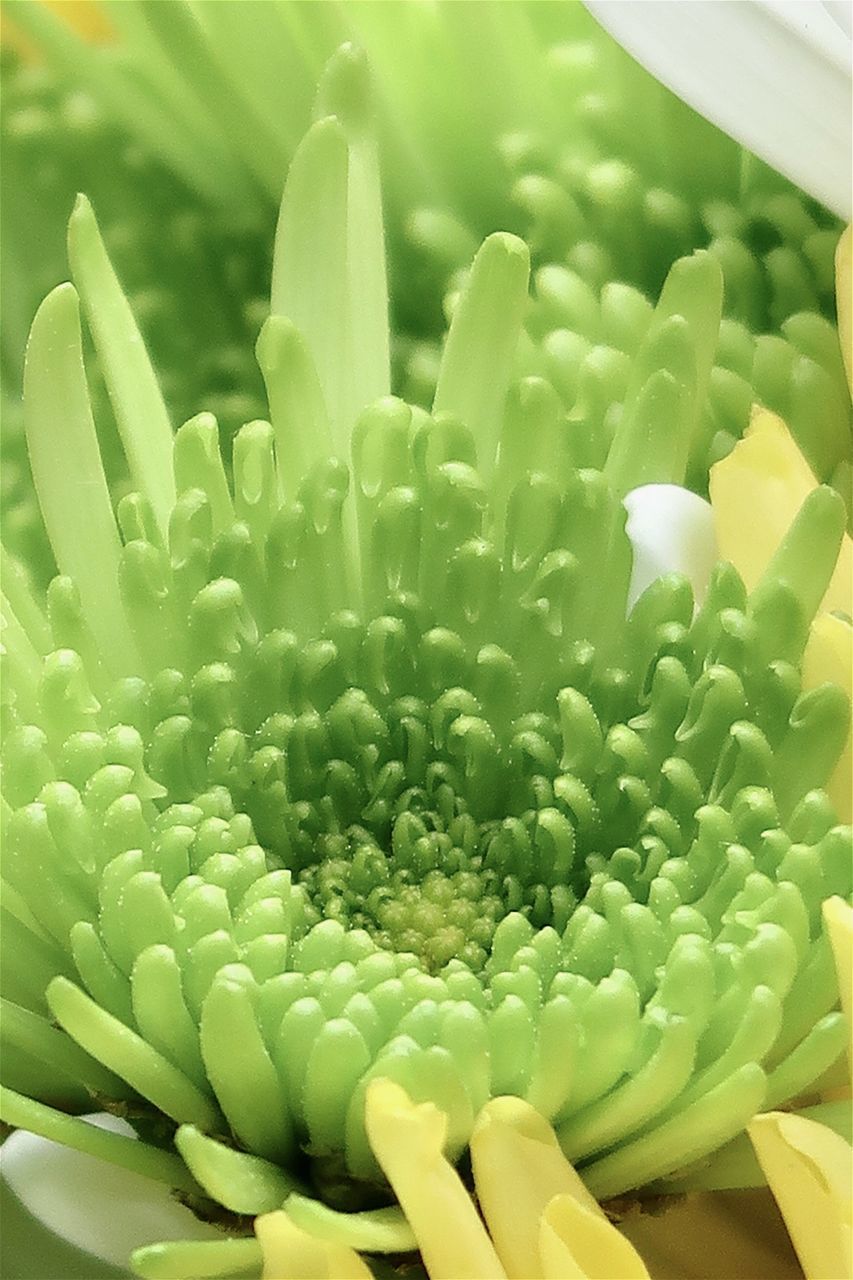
{"x":407,"y":780}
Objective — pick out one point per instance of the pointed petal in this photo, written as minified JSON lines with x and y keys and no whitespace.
{"x":345,"y":92}
{"x":177,"y":1259}
{"x":238,"y":1180}
{"x":373,"y":1230}
{"x":68,"y":471}
{"x":477,"y":361}
{"x":309,"y":262}
{"x":140,"y":411}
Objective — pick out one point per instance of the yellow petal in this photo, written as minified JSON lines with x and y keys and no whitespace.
{"x":518,"y":1168}
{"x":810,"y":1172}
{"x":576,"y":1243}
{"x":829,"y":656}
{"x":87,"y":18}
{"x":408,"y":1141}
{"x":521,"y":1177}
{"x":844,"y":299}
{"x":292,"y":1254}
{"x":755,"y":492}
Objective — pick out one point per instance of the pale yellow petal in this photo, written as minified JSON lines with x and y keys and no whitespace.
{"x":292,"y":1254}
{"x":576,"y":1243}
{"x":810,"y":1172}
{"x":86,"y":17}
{"x":829,"y":656}
{"x":524,"y":1184}
{"x":518,"y":1168}
{"x":408,"y":1141}
{"x":755,"y":492}
{"x":844,"y":299}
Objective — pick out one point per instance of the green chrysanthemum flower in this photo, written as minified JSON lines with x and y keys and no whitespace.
{"x":309,"y":781}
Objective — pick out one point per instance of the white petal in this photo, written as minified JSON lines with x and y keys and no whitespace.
{"x":671,"y":531}
{"x":841,"y":12}
{"x":93,"y":1205}
{"x":774,"y":74}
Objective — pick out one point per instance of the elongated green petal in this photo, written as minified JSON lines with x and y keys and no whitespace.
{"x":117,"y":1149}
{"x":652,"y":439}
{"x":477,"y":362}
{"x":242,"y":1182}
{"x":736,"y":1165}
{"x":204,"y":1259}
{"x":625,"y":1109}
{"x":806,"y":556}
{"x":345,"y":92}
{"x":35,"y":1035}
{"x":233,"y":1052}
{"x":68,"y":472}
{"x":126,"y":1053}
{"x":309,"y":281}
{"x":373,"y":1230}
{"x":137,"y":401}
{"x":814,"y":1055}
{"x":297,"y":408}
{"x":704,"y":1125}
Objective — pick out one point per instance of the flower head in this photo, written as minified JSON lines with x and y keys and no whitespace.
{"x":346,"y":794}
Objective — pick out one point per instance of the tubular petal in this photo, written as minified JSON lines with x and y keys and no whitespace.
{"x":810,"y":1172}
{"x":575,"y":1241}
{"x":756,"y":492}
{"x":408,"y":1142}
{"x":292,"y":1254}
{"x":521,"y":1174}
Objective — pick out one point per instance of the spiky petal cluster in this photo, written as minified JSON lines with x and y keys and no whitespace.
{"x":567,"y":142}
{"x":174,"y":255}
